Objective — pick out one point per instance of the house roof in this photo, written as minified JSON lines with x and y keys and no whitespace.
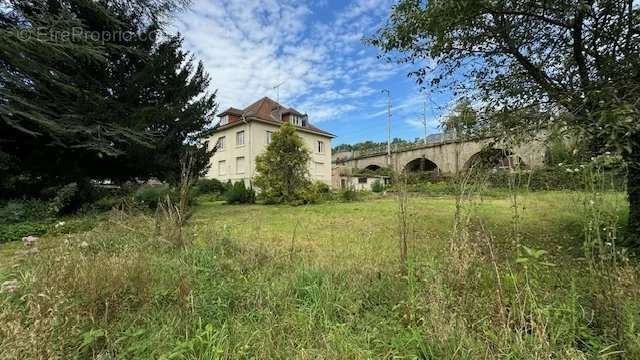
{"x":267,"y":110}
{"x":232,"y":111}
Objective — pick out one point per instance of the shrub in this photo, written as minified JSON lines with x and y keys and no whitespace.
{"x":108,"y":202}
{"x":349,"y":194}
{"x":23,"y":210}
{"x":377,"y":186}
{"x":210,"y":186}
{"x":315,"y":193}
{"x":150,"y":195}
{"x":321,"y":187}
{"x":64,"y":199}
{"x":15,"y":232}
{"x":552,"y":178}
{"x":238,"y":193}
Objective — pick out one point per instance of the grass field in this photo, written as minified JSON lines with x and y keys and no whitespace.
{"x":326,"y":281}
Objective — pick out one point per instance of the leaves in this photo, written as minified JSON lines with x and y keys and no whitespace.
{"x":283,"y":171}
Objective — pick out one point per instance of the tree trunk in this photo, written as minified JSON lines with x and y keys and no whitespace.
{"x":633,"y":191}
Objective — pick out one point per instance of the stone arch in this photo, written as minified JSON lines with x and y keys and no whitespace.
{"x":373,"y":167}
{"x":494,"y":159}
{"x":421,"y":164}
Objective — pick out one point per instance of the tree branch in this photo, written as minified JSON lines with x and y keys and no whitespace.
{"x":542,"y":18}
{"x":578,"y":48}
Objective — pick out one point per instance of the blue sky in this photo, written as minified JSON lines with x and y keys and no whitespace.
{"x":316,"y":50}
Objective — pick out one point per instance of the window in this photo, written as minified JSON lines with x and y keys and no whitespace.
{"x":240,"y":165}
{"x":224,"y":120}
{"x":320,"y":147}
{"x":222,"y":167}
{"x":220,"y":144}
{"x":269,"y":134}
{"x":296,"y":120}
{"x":362,"y":180}
{"x":240,"y":138}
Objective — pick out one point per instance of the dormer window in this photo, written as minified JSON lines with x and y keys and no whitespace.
{"x":297,"y":120}
{"x":224,"y":120}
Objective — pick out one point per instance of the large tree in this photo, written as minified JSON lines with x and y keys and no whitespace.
{"x":581,"y":57}
{"x":88,"y":89}
{"x":283,"y":169}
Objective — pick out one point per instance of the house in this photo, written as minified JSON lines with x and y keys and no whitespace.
{"x":345,"y":178}
{"x":243,"y":134}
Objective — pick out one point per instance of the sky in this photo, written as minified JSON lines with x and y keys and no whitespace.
{"x":315,"y":50}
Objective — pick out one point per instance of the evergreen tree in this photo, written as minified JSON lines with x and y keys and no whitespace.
{"x":88,"y":91}
{"x":283,"y":168}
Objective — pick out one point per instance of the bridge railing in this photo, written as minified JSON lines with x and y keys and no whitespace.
{"x":395,"y":148}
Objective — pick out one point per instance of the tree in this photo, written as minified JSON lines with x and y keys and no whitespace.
{"x":581,"y":57}
{"x":87,"y":91}
{"x":462,"y":121}
{"x":283,"y":168}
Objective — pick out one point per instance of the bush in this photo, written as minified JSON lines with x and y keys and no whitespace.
{"x":23,"y":210}
{"x":210,"y":186}
{"x":377,"y":186}
{"x":64,"y":199}
{"x":70,"y":197}
{"x":108,"y":202}
{"x":151,"y":195}
{"x":15,"y":232}
{"x":314,"y":193}
{"x":551,"y":178}
{"x":240,"y":194}
{"x":349,"y":194}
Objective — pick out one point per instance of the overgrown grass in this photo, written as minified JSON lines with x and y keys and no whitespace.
{"x":323,"y":281}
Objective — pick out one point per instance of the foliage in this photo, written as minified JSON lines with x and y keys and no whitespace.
{"x":462,"y":122}
{"x":206,"y":344}
{"x":383,"y":171}
{"x":316,"y":192}
{"x":64,"y":198}
{"x":238,"y":193}
{"x":123,"y":106}
{"x":567,"y":65}
{"x":209,"y":186}
{"x":377,"y":186}
{"x":152,"y":195}
{"x":348,"y":194}
{"x":373,"y":146}
{"x":15,"y":211}
{"x":283,"y":168}
{"x":16,"y":231}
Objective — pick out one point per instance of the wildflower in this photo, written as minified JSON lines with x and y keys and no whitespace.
{"x":59,"y":224}
{"x":84,"y":244}
{"x":30,"y":240}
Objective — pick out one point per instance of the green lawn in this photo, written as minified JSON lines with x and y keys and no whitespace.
{"x":364,"y":233}
{"x":325,"y":281}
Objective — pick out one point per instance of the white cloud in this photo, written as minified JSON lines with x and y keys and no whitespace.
{"x":248,"y":46}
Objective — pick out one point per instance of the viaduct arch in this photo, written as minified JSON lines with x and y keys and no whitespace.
{"x":448,"y":157}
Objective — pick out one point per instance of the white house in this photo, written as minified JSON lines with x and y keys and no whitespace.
{"x":244,"y":134}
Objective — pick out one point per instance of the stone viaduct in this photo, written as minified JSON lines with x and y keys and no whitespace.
{"x":445,"y":156}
